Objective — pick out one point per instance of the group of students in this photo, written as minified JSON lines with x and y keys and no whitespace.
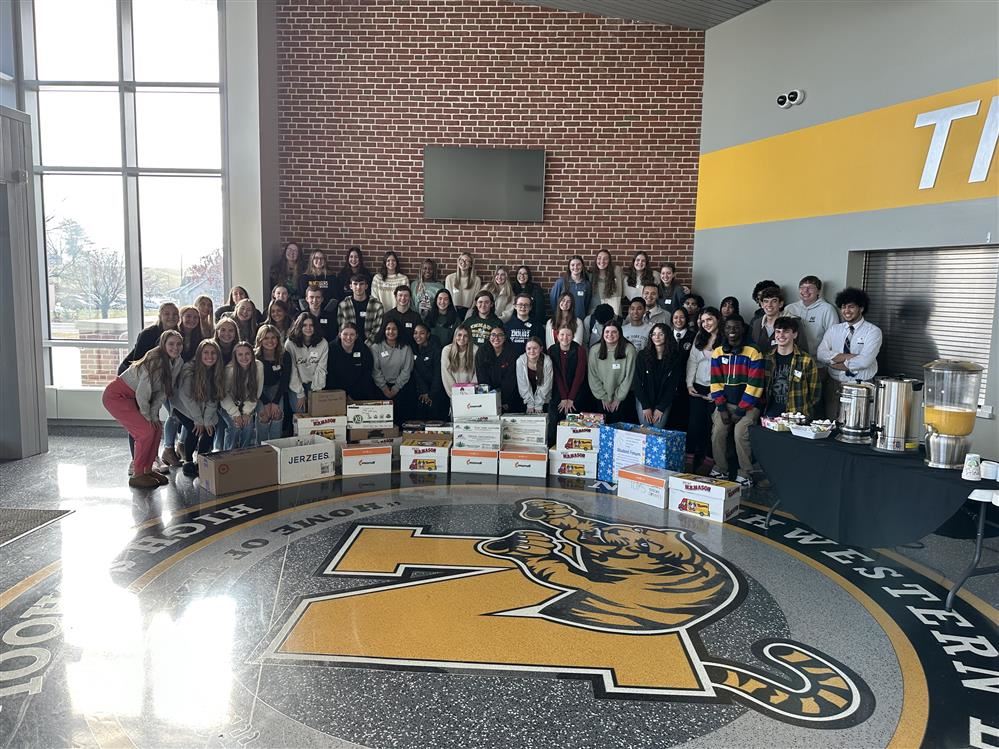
{"x":631,"y":344}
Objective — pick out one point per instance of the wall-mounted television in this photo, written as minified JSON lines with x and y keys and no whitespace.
{"x":483,"y":184}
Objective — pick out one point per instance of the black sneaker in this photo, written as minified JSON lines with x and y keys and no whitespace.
{"x":190,"y":469}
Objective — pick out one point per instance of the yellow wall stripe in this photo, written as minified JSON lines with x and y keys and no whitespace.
{"x":866,"y":162}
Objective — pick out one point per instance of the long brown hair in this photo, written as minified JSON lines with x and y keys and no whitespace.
{"x":226,"y":320}
{"x":261,"y":332}
{"x":247,"y":330}
{"x":207,"y":323}
{"x":610,"y":289}
{"x":157,"y":363}
{"x":459,"y":361}
{"x":244,"y":380}
{"x":207,"y":383}
{"x":193,"y":336}
{"x":564,"y":318}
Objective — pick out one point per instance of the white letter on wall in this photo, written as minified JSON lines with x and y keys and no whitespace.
{"x":986,"y":144}
{"x":940,"y":119}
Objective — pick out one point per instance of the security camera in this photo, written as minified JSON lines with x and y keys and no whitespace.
{"x":782,"y":101}
{"x":796,"y":96}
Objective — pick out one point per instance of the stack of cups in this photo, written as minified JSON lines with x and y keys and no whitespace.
{"x":990,"y":470}
{"x":972,"y":467}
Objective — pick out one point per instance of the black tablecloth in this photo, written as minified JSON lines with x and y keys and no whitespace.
{"x":855,"y":495}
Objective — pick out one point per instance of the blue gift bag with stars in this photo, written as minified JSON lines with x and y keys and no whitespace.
{"x":622,"y":445}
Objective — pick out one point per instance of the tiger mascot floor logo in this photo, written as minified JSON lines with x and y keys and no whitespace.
{"x":616,"y":603}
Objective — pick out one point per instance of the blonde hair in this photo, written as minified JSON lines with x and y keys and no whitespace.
{"x":226,"y":320}
{"x":495,"y":289}
{"x":207,"y":384}
{"x":157,"y":363}
{"x":462,"y":361}
{"x":261,"y":332}
{"x":247,"y":331}
{"x":207,"y":323}
{"x":244,"y":380}
{"x":467,"y":283}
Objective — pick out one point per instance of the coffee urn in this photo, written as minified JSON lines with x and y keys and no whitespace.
{"x":854,"y":419}
{"x":898,"y":424}
{"x":949,"y":409}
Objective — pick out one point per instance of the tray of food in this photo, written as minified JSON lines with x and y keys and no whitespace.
{"x":817,"y":430}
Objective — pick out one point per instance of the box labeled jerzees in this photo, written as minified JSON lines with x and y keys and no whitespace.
{"x":369,"y":413}
{"x":328,"y":403}
{"x":238,"y":470}
{"x":304,"y":458}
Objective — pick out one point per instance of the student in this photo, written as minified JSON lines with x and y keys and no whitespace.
{"x":496,"y":366}
{"x":608,"y":282}
{"x":288,"y":270}
{"x":279,"y":316}
{"x":656,"y":375}
{"x":277,"y":376}
{"x":850,"y":348}
{"x":428,"y":401}
{"x":521,"y":327}
{"x":190,"y":329}
{"x":364,"y":312}
{"x":353,"y":265}
{"x":246,"y":319}
{"x":817,"y":316}
{"x":534,"y":377}
{"x":351,"y":365}
{"x":463,"y":284}
{"x":236,"y":295}
{"x":792,"y":377}
{"x":760,"y":286}
{"x":226,"y":336}
{"x":481,"y":319}
{"x":693,"y":304}
{"x":280,"y":294}
{"x":200,"y":389}
{"x":636,"y":277}
{"x":443,"y":319}
{"x":671,"y":293}
{"x":593,"y":330}
{"x":574,"y":282}
{"x":403,"y":315}
{"x":309,"y":354}
{"x":149,"y":338}
{"x":323,"y":314}
{"x":393,"y":366}
{"x":423,"y":290}
{"x":738,"y":375}
{"x":387,"y":280}
{"x":683,"y":335}
{"x":729,"y":306}
{"x":635,"y":329}
{"x":698,"y":382}
{"x":502,"y":293}
{"x":611,"y":369}
{"x":569,"y":367}
{"x":134,"y":399}
{"x":653,"y":311}
{"x":244,"y":381}
{"x":206,"y":309}
{"x":564,"y":315}
{"x":761,"y":332}
{"x":524,"y":284}
{"x":317,"y":276}
{"x":458,"y":361}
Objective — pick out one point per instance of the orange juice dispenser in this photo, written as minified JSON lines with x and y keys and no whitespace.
{"x":950,"y":401}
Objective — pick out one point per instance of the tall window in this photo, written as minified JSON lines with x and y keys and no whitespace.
{"x":126,"y":101}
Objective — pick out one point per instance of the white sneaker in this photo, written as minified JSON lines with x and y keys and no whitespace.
{"x":716,"y":474}
{"x":744,"y":481}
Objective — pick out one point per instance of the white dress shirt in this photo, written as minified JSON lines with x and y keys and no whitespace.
{"x":865,"y":342}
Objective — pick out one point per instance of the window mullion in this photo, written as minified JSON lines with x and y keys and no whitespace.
{"x":129,"y":160}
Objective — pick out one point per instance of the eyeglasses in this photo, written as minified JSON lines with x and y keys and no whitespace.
{"x":497,"y":335}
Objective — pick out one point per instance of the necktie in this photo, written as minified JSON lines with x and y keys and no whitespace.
{"x":846,"y":343}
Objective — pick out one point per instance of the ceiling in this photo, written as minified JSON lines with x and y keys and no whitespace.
{"x":691,"y":14}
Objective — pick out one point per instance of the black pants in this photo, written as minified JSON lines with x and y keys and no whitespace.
{"x":699,"y":427}
{"x":192,"y":441}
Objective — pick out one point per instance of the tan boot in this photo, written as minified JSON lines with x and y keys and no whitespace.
{"x":145,"y":481}
{"x":169,"y":457}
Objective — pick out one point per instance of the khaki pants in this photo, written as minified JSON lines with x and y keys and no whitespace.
{"x":719,"y":440}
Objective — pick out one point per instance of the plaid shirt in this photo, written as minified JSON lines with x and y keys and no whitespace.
{"x":372,"y":318}
{"x":803,"y":381}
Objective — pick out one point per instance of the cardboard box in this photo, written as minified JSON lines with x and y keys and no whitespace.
{"x":370,"y":413}
{"x":464,"y":460}
{"x":705,"y":486}
{"x":629,"y":444}
{"x":304,"y":458}
{"x":328,"y":403}
{"x":466,"y":388}
{"x":361,"y":434}
{"x":465,"y":405}
{"x":577,"y":437}
{"x":424,"y":453}
{"x":523,"y":460}
{"x":238,"y":470}
{"x":718,"y":509}
{"x":525,"y":429}
{"x":357,"y":460}
{"x":643,"y":484}
{"x":572,"y":463}
{"x":423,"y":427}
{"x":483,"y":433}
{"x":331,"y":427}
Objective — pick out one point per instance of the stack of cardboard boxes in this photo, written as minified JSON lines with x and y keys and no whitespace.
{"x":311,"y":453}
{"x":476,"y":429}
{"x":371,"y":438}
{"x":577,"y":444}
{"x":524,"y":445}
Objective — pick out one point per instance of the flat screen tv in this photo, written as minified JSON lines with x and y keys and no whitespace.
{"x":483,"y":184}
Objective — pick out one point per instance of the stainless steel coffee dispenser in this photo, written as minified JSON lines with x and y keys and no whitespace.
{"x":854,"y":419}
{"x":898,"y":418}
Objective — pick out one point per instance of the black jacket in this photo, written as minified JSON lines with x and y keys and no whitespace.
{"x":276,"y":379}
{"x":352,"y":372}
{"x":500,"y":373}
{"x":426,"y":377}
{"x":147,"y":340}
{"x":655,"y":379}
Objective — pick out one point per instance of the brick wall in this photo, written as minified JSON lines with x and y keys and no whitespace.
{"x":366,"y":84}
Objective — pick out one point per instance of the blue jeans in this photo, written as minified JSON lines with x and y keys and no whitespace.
{"x":661,"y":424}
{"x":270,"y":430}
{"x":170,"y":427}
{"x":222,"y":428}
{"x":237,"y":437}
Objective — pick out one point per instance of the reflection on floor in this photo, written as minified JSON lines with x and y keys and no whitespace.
{"x":404,"y":610}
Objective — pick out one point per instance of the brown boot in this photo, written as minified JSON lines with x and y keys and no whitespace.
{"x":145,"y":481}
{"x":160,"y":478}
{"x":169,"y":457}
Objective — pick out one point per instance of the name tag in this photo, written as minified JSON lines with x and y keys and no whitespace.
{"x":275,"y":367}
{"x":580,"y":293}
{"x":724,"y":360}
{"x":409,"y":325}
{"x":528,"y":325}
{"x":797,"y":374}
{"x":385,"y":354}
{"x":616,"y":365}
{"x":322,"y":320}
{"x":357,"y":354}
{"x":364,"y":314}
{"x":426,"y":358}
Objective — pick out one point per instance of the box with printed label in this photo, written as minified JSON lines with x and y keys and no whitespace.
{"x":466,"y":388}
{"x":328,"y":403}
{"x":331,"y":427}
{"x":464,"y":405}
{"x":572,"y":463}
{"x":629,"y":444}
{"x":523,"y":460}
{"x":424,"y":453}
{"x":438,"y":427}
{"x":238,"y":470}
{"x":304,"y":458}
{"x":484,"y":433}
{"x":705,"y":486}
{"x":643,"y":484}
{"x":465,"y":460}
{"x":370,"y":413}
{"x":370,"y":433}
{"x":525,"y":429}
{"x":718,"y":509}
{"x":577,"y":437}
{"x":358,"y":460}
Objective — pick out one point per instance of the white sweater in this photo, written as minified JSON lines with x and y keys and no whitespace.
{"x":461,"y":296}
{"x":202,"y":413}
{"x":308,"y":366}
{"x":149,"y":397}
{"x":383,"y":289}
{"x":538,"y":399}
{"x":448,"y":377}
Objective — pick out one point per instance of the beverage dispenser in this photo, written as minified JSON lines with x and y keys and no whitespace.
{"x":950,"y":401}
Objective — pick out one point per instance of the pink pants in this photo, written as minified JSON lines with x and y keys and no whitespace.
{"x":119,"y":400}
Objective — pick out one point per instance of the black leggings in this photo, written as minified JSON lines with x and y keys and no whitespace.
{"x":192,"y":441}
{"x":699,"y":428}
